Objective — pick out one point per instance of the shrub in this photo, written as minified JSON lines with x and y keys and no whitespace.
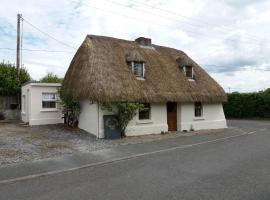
{"x":248,"y":105}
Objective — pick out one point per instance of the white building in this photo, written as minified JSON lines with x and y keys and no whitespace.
{"x":39,"y":103}
{"x":178,"y":95}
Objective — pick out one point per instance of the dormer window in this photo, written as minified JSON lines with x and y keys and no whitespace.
{"x":188,"y":71}
{"x":137,"y":68}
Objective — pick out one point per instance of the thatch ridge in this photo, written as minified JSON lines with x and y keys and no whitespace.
{"x":99,"y":72}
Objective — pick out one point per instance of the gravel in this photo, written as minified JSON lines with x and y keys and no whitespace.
{"x":19,"y":142}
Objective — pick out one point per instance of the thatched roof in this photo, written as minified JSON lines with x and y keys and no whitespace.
{"x":99,"y":72}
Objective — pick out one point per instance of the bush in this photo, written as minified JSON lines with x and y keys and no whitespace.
{"x":51,"y":78}
{"x":9,"y":85}
{"x":248,"y":105}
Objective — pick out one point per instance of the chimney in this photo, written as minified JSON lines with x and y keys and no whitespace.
{"x":143,"y":41}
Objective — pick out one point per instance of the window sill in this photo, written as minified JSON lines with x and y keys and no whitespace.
{"x":198,"y":119}
{"x":191,"y":79}
{"x":49,"y":110}
{"x":144,"y":121}
{"x":140,"y":78}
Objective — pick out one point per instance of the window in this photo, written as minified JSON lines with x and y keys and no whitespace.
{"x":48,"y":100}
{"x":144,"y":113}
{"x":137,"y":68}
{"x":198,"y":109}
{"x":188,"y":71}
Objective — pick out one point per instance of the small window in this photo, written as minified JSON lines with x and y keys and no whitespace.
{"x":137,"y":68}
{"x":198,"y":109}
{"x":144,"y":113}
{"x":188,"y":71}
{"x":48,"y":100}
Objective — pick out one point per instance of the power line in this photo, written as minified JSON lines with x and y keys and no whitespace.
{"x":155,"y":23}
{"x":188,"y":18}
{"x":40,"y":50}
{"x":43,"y":32}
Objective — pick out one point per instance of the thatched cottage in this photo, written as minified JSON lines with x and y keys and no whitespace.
{"x":176,"y":92}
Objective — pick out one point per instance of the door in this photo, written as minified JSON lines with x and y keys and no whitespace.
{"x":172,"y":116}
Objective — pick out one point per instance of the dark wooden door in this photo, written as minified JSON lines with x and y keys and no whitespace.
{"x":172,"y":116}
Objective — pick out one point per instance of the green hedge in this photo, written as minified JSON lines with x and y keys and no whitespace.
{"x":248,"y":105}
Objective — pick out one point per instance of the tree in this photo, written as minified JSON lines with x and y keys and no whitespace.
{"x":51,"y":78}
{"x":9,"y":85}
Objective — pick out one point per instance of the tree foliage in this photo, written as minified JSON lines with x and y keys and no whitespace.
{"x":9,"y":85}
{"x":125,"y":112}
{"x":51,"y":78}
{"x":248,"y":105}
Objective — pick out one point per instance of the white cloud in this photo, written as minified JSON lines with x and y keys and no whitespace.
{"x":230,"y":39}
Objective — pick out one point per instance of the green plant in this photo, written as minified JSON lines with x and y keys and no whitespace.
{"x":248,"y":105}
{"x":9,"y":85}
{"x":71,"y":109}
{"x":51,"y":78}
{"x":124,"y":110}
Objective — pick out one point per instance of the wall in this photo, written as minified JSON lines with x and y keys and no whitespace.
{"x":25,"y":104}
{"x":88,"y":119}
{"x":33,"y":112}
{"x":213,"y":117}
{"x":155,"y":125}
{"x":6,"y":109}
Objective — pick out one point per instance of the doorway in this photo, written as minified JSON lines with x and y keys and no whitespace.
{"x":172,"y":116}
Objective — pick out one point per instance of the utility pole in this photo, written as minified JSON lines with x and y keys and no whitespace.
{"x":18,"y":55}
{"x":18,"y":59}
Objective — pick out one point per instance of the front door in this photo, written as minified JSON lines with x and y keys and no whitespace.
{"x":172,"y":116}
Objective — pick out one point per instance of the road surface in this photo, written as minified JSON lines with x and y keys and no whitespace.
{"x":236,"y":168}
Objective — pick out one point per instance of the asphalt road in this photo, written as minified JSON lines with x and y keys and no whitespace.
{"x":237,"y":168}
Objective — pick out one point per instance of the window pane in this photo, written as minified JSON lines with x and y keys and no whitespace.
{"x":189,"y":72}
{"x":48,"y":96}
{"x":138,"y":69}
{"x":198,"y":109}
{"x":48,"y":104}
{"x":145,"y":112}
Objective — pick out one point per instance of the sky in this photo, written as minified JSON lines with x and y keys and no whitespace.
{"x":229,"y":38}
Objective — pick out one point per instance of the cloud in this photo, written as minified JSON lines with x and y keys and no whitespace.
{"x":226,"y":37}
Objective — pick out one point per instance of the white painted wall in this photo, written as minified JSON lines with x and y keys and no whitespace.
{"x":89,"y":115}
{"x":88,"y":119}
{"x":213,"y":117}
{"x":156,"y":124}
{"x":33,"y":113}
{"x":91,"y":119}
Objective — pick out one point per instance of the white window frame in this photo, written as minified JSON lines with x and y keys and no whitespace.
{"x":49,"y":99}
{"x":143,"y":70}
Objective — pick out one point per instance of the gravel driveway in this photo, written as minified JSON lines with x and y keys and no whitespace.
{"x":19,"y":142}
